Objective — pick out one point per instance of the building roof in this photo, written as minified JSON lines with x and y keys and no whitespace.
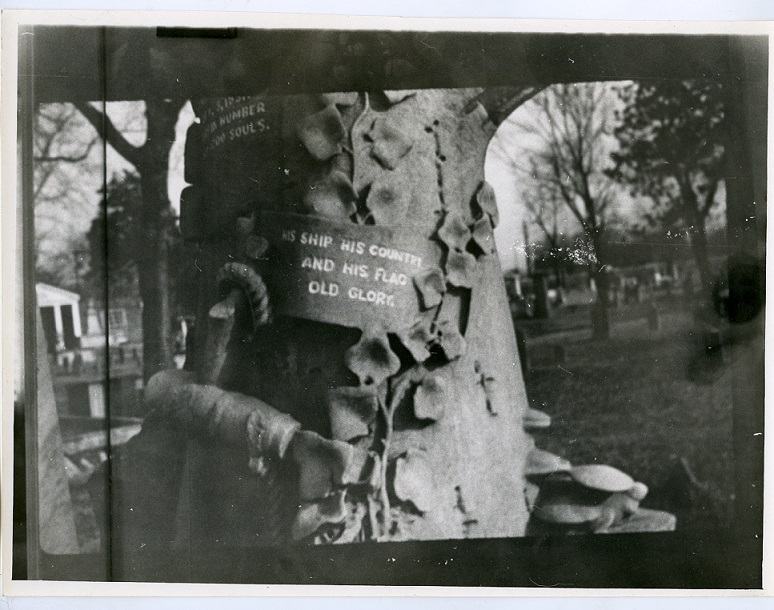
{"x":52,"y":295}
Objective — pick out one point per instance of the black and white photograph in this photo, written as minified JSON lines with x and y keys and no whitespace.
{"x":328,"y":303}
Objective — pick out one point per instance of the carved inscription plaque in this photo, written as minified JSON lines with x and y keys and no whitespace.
{"x":343,"y":273}
{"x":231,"y":119}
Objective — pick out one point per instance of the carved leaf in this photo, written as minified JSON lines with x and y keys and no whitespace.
{"x":351,"y":411}
{"x":431,"y":285}
{"x":396,"y":97}
{"x":341,"y":98}
{"x":454,"y":232}
{"x":256,"y":247}
{"x":322,"y":133}
{"x":483,"y":236}
{"x":371,"y":358}
{"x":638,"y":491}
{"x":536,"y":420}
{"x":387,"y":203}
{"x":565,"y":511}
{"x":602,"y":477}
{"x":342,"y":163}
{"x":332,"y":195}
{"x":461,"y":269}
{"x":487,"y":202}
{"x":645,"y":520}
{"x":390,"y":144}
{"x":449,"y":338}
{"x":375,"y":478}
{"x":321,"y":463}
{"x":416,"y":339}
{"x":541,"y":462}
{"x":530,"y":494}
{"x":430,"y":397}
{"x":413,"y":481}
{"x":311,"y":517}
{"x":353,"y":524}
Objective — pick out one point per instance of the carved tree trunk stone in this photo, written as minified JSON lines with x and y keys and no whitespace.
{"x":431,"y":401}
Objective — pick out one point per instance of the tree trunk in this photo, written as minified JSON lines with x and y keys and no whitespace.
{"x":445,"y":450}
{"x":156,"y":223}
{"x":560,"y":280}
{"x":699,"y":247}
{"x":600,"y":312}
{"x":696,"y":222}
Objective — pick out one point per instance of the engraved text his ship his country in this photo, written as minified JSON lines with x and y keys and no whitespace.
{"x":353,"y":265}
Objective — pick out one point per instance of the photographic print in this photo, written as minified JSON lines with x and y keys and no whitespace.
{"x":328,"y":304}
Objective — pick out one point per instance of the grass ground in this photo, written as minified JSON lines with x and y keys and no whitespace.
{"x":628,"y":402}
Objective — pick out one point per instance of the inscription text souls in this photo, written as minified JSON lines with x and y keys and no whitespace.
{"x":232,"y":118}
{"x":372,"y":266}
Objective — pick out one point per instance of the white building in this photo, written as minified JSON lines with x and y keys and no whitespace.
{"x":61,"y":317}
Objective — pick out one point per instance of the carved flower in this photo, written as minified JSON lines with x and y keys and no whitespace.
{"x":390,"y":144}
{"x":487,"y":203}
{"x":322,"y":133}
{"x":430,"y":397}
{"x":449,"y":338}
{"x":431,"y":285}
{"x":416,"y":339}
{"x":413,"y":480}
{"x":460,"y":269}
{"x":454,"y":232}
{"x":371,"y":358}
{"x":387,"y":203}
{"x":351,"y":410}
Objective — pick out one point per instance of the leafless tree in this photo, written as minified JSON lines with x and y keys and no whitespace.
{"x":151,"y":160}
{"x":567,"y":141}
{"x":68,"y":149}
{"x":64,"y":148}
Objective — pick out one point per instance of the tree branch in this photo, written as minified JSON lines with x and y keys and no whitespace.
{"x":500,"y":102}
{"x":710,"y":201}
{"x":66,"y":158}
{"x":108,"y":131}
